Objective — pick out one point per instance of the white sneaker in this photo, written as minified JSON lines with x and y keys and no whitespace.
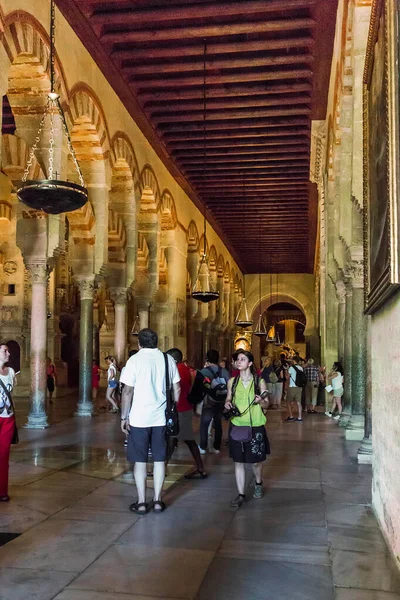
{"x":202,"y":451}
{"x":328,"y":414}
{"x":214,"y":451}
{"x":336,"y":418}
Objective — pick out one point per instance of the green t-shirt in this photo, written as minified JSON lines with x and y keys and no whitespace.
{"x":242,"y":398}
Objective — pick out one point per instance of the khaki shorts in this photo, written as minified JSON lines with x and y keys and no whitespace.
{"x":294,"y":394}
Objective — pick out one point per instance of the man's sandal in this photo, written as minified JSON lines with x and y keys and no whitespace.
{"x":137,"y":506}
{"x":158,"y":506}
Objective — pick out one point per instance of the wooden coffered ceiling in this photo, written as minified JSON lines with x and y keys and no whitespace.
{"x":266,"y":77}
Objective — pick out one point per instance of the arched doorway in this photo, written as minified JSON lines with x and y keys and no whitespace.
{"x":289,"y":323}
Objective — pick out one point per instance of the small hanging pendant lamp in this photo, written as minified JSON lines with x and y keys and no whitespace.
{"x":52,"y":195}
{"x":242,"y":318}
{"x":260,"y":330}
{"x":270,"y":339}
{"x":203,"y":289}
{"x":135,"y":327}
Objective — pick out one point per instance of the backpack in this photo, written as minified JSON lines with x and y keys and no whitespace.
{"x":216,"y":389}
{"x":301,"y":378}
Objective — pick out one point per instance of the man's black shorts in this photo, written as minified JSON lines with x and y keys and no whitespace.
{"x":141,"y":438}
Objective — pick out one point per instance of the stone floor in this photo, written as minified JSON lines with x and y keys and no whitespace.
{"x":312,"y":536}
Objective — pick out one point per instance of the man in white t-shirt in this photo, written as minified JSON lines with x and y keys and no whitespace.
{"x":143,"y":414}
{"x":294,"y":392}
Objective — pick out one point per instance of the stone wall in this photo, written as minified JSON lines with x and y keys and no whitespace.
{"x":385,"y":346}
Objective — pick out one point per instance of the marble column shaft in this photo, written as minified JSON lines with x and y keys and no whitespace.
{"x":347,"y":356}
{"x":355,"y":425}
{"x":37,"y":418}
{"x":119,"y":297}
{"x":86,"y":289}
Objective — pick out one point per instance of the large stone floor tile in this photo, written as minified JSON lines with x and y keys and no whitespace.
{"x":290,"y":473}
{"x":161,"y":572}
{"x":47,"y":504}
{"x":235,"y":579}
{"x":365,"y":571}
{"x":181,"y":528}
{"x":102,"y":470}
{"x":66,"y":479}
{"x":343,"y":479}
{"x":275,"y":551}
{"x":357,"y":539}
{"x":98,"y":515}
{"x":343,"y":594}
{"x":16,"y":519}
{"x":351,"y":514}
{"x":21,"y":474}
{"x":85,"y":595}
{"x":21,"y":584}
{"x":357,"y":494}
{"x":60,"y":545}
{"x":303,"y":514}
{"x":280,"y":533}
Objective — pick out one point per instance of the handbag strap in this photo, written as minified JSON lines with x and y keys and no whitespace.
{"x":167,"y":383}
{"x":8,"y":395}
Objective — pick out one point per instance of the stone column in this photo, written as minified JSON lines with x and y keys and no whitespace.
{"x":341,"y":296}
{"x":143,"y":312}
{"x":347,"y":356}
{"x":37,"y":418}
{"x":355,"y":426}
{"x":365,"y":450}
{"x":118,"y":295}
{"x":86,"y":289}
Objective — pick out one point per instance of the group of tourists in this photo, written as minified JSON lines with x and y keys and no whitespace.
{"x":152,"y":425}
{"x":243,"y":399}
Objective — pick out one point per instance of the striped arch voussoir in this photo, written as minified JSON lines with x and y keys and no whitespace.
{"x":168,"y":211}
{"x":192,"y":237}
{"x":26,"y":42}
{"x":89,"y":128}
{"x":116,"y":238}
{"x":14,"y":157}
{"x":149,"y":190}
{"x":123,"y":159}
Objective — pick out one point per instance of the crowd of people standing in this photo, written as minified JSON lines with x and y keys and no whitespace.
{"x":153,"y":426}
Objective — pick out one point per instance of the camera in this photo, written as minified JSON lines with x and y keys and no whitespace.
{"x":232,"y":412}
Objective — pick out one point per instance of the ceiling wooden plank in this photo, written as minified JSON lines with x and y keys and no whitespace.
{"x":151,"y":69}
{"x":134,"y":15}
{"x":138,"y":53}
{"x":222,"y":78}
{"x":206,"y":31}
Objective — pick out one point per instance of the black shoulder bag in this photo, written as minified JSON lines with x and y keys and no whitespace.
{"x":15,"y":437}
{"x":171,"y":412}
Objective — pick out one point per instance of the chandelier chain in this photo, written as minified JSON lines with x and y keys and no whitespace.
{"x":51,"y":143}
{"x":35,"y":144}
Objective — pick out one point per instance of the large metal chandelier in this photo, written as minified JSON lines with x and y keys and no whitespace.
{"x":203,"y":289}
{"x":51,"y":195}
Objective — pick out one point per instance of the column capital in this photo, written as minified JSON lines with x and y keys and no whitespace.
{"x":38,"y":270}
{"x":341,"y":291}
{"x":86,"y":286}
{"x":354,"y":273}
{"x":118,"y":295}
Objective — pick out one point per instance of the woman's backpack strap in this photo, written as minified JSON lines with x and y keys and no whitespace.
{"x":234,"y":385}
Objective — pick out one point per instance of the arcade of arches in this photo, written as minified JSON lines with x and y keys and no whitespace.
{"x":73,"y":286}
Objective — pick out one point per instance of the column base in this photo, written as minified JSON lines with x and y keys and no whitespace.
{"x":344,"y":419}
{"x":37,"y":422}
{"x":84,"y":410}
{"x":355,"y":428}
{"x":365,"y":452}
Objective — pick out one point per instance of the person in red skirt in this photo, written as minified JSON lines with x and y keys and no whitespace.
{"x":7,"y":419}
